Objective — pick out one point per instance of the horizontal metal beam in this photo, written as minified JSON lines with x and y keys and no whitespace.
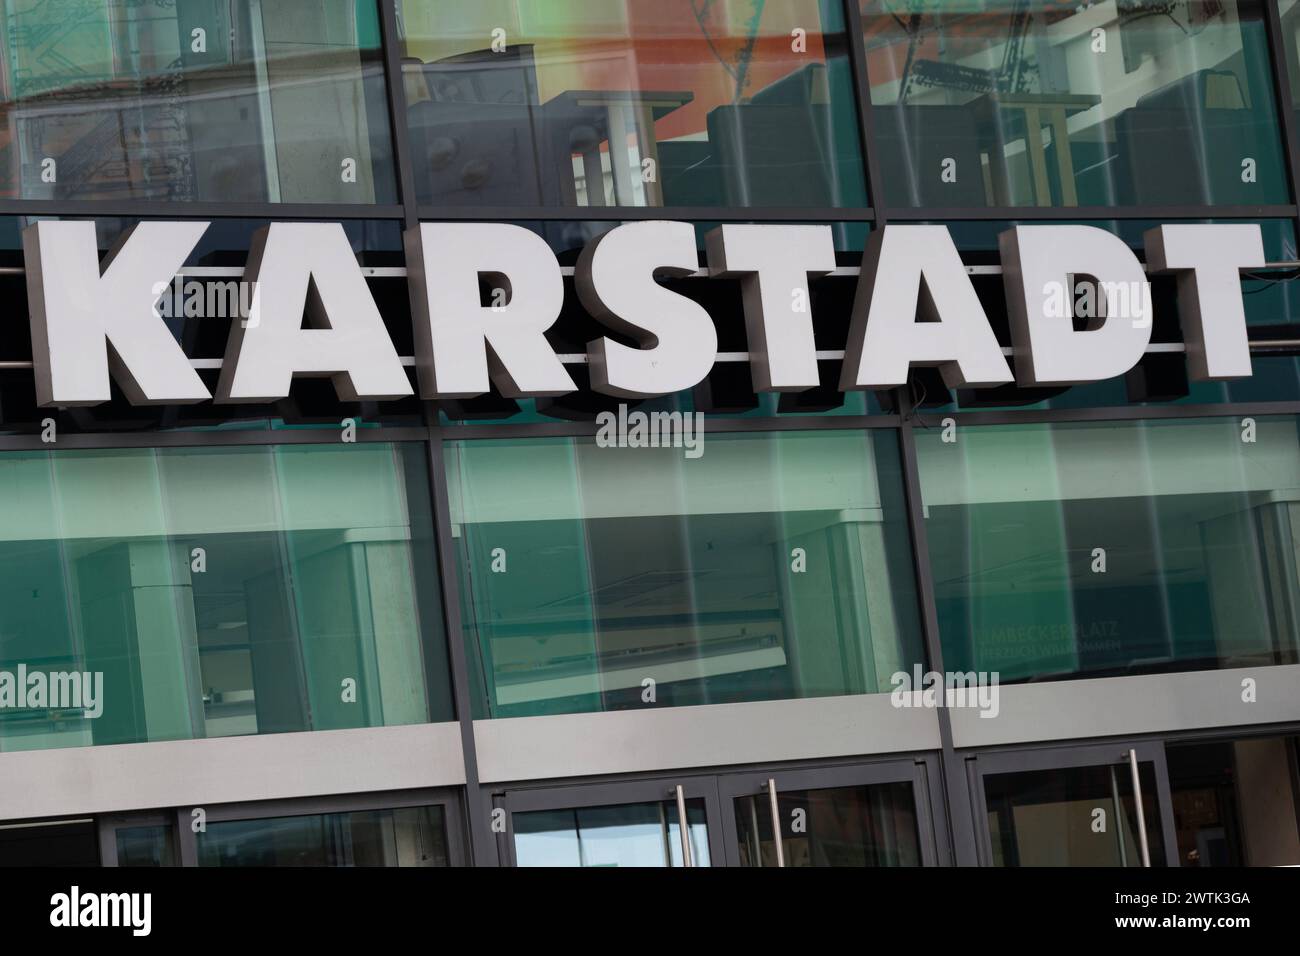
{"x":674,"y":738}
{"x":180,"y":773}
{"x":1124,"y":706}
{"x":580,"y":358}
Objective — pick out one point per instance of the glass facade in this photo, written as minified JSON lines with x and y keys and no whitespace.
{"x":146,"y":846}
{"x":198,"y":100}
{"x":978,"y":103}
{"x":218,"y":591}
{"x":638,"y":834}
{"x":772,"y":566}
{"x":669,"y":103}
{"x":841,"y":826}
{"x":1059,"y":817}
{"x":488,"y":565}
{"x":411,"y":836}
{"x":1074,"y":550}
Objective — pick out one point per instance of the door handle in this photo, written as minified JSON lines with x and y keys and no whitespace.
{"x":683,"y":827}
{"x":1137,"y":802}
{"x":776,"y":821}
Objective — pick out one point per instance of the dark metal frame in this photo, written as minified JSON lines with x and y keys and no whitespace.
{"x":919,"y":772}
{"x":1112,"y":753}
{"x":184,"y":838}
{"x":719,"y":786}
{"x":950,"y":795}
{"x":659,"y":789}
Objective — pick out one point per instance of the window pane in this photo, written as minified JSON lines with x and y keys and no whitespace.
{"x":146,"y":846}
{"x":53,"y":843}
{"x":1110,"y":548}
{"x":1048,"y":817}
{"x":223,"y":100}
{"x":775,"y":565}
{"x":841,"y":826}
{"x":414,"y":836}
{"x":231,"y":590}
{"x":994,"y":103}
{"x":633,"y":103}
{"x":1235,"y":802}
{"x":634,"y":834}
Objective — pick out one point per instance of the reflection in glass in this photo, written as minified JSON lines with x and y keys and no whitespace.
{"x":839,"y":826}
{"x":1044,"y":103}
{"x":634,"y":834}
{"x":216,"y":100}
{"x":1236,"y":802}
{"x":412,"y":836}
{"x":219,"y":591}
{"x":146,"y":846}
{"x":1096,"y":549}
{"x":631,"y":103}
{"x":775,"y":565}
{"x":1072,"y":816}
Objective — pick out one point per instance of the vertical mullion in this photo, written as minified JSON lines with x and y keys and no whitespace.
{"x":396,"y":94}
{"x":482,"y":845}
{"x":1282,"y":94}
{"x":187,"y":847}
{"x":866,"y":129}
{"x":959,"y":820}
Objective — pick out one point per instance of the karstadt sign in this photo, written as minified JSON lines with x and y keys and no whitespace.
{"x":915,"y":305}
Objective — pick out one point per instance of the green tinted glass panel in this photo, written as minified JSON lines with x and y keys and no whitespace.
{"x":517,"y":103}
{"x":634,"y":834}
{"x":413,"y":836}
{"x":217,"y":591}
{"x":837,"y":826}
{"x":209,"y":100}
{"x":1044,"y":103}
{"x":1289,"y":11}
{"x":146,"y":846}
{"x":774,"y":565}
{"x":1109,"y":548}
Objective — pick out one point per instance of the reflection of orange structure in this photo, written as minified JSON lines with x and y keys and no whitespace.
{"x":723,"y":52}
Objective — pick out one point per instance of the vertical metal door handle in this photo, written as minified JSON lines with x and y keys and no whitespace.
{"x":1137,"y":802}
{"x":776,"y":821}
{"x":683,"y":827}
{"x":1117,"y":809}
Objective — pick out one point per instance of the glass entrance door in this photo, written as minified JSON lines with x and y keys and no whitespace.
{"x":876,"y":814}
{"x":1102,"y":805}
{"x":859,"y":815}
{"x":624,"y":824}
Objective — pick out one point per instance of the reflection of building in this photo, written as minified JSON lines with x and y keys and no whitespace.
{"x":148,"y":117}
{"x":194,"y":135}
{"x":1077,"y":105}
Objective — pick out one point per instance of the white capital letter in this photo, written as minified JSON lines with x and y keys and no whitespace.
{"x":78,"y":310}
{"x":460,"y":343}
{"x":1208,"y":259}
{"x":915,"y":305}
{"x":309,"y":267}
{"x":1048,"y":349}
{"x":774,"y":263}
{"x":615,"y":278}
